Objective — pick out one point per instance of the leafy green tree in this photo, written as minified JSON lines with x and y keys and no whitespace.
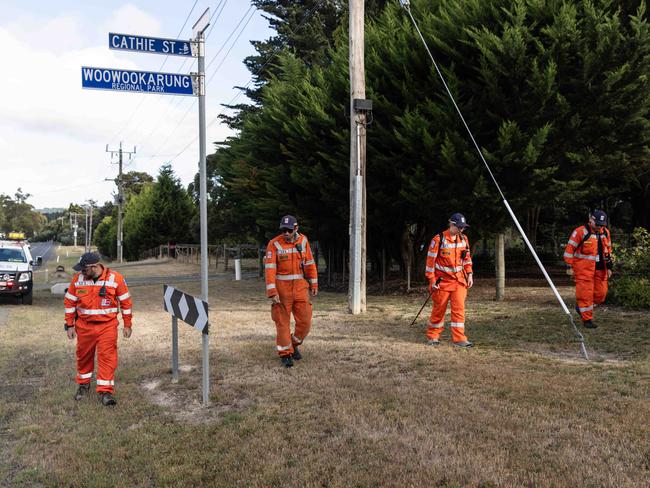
{"x":134,"y":182}
{"x":160,"y":213}
{"x":20,"y":216}
{"x":556,"y":92}
{"x":105,"y":237}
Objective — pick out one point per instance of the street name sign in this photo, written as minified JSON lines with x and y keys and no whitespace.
{"x":136,"y":81}
{"x":152,"y":45}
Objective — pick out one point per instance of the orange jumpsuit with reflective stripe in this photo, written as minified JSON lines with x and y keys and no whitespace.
{"x":92,"y":307}
{"x":450,"y":260}
{"x":589,"y":266}
{"x":290,"y":272}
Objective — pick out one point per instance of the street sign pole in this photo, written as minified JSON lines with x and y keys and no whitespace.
{"x":199,"y":28}
{"x":175,"y":350}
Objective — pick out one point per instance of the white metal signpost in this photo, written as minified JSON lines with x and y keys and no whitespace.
{"x":192,"y":311}
{"x":168,"y":84}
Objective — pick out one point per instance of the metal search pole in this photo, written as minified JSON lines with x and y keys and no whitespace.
{"x":199,"y":30}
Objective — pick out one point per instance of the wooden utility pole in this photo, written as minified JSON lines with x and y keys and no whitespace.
{"x":120,"y":198}
{"x":357,"y":282}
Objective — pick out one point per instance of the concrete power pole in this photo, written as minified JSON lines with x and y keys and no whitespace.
{"x":86,"y":233}
{"x":359,"y":107}
{"x":89,"y":231}
{"x":75,"y":226}
{"x":120,"y":198}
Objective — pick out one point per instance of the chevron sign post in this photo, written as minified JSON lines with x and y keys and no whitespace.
{"x":193,"y":311}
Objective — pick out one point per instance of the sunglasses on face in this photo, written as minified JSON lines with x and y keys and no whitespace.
{"x":286,"y":231}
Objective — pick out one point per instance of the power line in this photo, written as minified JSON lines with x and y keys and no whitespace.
{"x":175,"y":101}
{"x":241,"y":31}
{"x":143,"y":98}
{"x":252,"y":78}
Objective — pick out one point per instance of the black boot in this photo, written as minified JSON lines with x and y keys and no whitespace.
{"x":82,"y":390}
{"x":296,"y":354}
{"x":287,"y":361}
{"x":589,"y":324}
{"x":107,"y":399}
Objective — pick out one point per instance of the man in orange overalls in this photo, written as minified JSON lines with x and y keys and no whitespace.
{"x":92,"y":302}
{"x":291,"y":275}
{"x":588,"y":255}
{"x":450,"y":275}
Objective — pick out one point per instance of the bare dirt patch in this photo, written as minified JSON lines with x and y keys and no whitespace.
{"x":182,"y":400}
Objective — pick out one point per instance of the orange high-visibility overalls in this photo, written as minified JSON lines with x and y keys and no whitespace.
{"x":588,"y":253}
{"x":92,"y":307}
{"x":448,"y":259}
{"x":290,"y":272}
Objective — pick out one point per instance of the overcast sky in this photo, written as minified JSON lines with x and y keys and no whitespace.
{"x":53,"y":133}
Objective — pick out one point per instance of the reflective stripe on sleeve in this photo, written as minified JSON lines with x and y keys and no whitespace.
{"x":271,"y":266}
{"x":289,"y":277}
{"x":271,"y":286}
{"x":429,"y":269}
{"x":448,"y":269}
{"x":310,"y":262}
{"x":313,"y":281}
{"x":70,"y":310}
{"x":568,"y":255}
{"x":70,"y":296}
{"x":432,"y":254}
{"x":126,"y":311}
{"x":105,"y":382}
{"x":587,"y":257}
{"x":572,"y":242}
{"x":101,"y":311}
{"x":124,"y":297}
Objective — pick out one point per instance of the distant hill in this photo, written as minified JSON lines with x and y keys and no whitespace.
{"x":50,"y":210}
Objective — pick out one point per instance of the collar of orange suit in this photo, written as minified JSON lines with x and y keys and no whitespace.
{"x":596,"y":230}
{"x":449,"y":237}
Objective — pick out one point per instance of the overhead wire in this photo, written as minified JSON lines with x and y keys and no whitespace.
{"x":167,"y":139}
{"x":176,"y":101}
{"x":268,"y":60}
{"x":406,"y":5}
{"x":142,"y":99}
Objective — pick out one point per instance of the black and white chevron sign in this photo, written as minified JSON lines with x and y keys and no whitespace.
{"x":189,"y":309}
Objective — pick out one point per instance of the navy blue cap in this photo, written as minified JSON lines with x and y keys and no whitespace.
{"x":86,"y":259}
{"x":459,"y":220}
{"x":600,"y":217}
{"x":288,"y":222}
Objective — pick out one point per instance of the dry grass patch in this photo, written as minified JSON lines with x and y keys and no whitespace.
{"x":369,"y":405}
